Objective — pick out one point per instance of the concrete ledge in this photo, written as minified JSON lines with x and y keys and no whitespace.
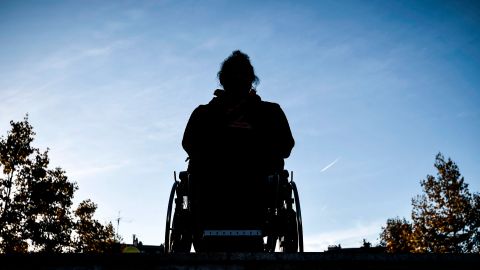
{"x":239,"y":261}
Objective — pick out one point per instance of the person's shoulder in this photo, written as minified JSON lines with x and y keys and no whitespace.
{"x":200,"y":111}
{"x":210,"y":107}
{"x":202,"y":107}
{"x":271,"y":110}
{"x":271,"y":106}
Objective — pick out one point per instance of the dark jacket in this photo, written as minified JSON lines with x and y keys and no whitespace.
{"x":246,"y":136}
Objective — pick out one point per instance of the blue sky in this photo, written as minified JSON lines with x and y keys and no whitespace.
{"x":373,"y":91}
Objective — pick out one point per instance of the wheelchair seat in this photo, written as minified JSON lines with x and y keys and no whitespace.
{"x":234,"y":214}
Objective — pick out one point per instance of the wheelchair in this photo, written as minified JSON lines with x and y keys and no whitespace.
{"x":276,"y":218}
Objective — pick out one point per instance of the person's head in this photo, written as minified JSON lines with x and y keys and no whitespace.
{"x":237,"y":74}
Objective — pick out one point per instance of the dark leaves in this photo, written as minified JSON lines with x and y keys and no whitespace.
{"x":36,"y":202}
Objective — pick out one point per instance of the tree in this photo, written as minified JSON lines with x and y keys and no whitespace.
{"x":14,"y":153}
{"x":397,"y":236}
{"x":35,"y":201}
{"x":446,"y":218}
{"x":92,"y":237}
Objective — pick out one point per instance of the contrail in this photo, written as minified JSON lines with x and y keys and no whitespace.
{"x":330,"y":165}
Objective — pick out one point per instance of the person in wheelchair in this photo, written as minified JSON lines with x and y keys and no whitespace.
{"x":234,"y":143}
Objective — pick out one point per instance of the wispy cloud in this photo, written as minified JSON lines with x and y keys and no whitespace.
{"x":70,"y":56}
{"x":330,"y":165}
{"x":83,"y":172}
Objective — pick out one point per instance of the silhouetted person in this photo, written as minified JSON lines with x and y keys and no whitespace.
{"x":233,"y":143}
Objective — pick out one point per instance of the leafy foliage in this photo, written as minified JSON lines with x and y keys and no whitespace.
{"x":446,"y":217}
{"x":36,"y":202}
{"x":397,"y":236}
{"x":92,"y":236}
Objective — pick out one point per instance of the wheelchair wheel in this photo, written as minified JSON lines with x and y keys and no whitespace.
{"x":168,"y":225}
{"x":298,"y":217}
{"x":284,"y":220}
{"x":291,"y":238}
{"x":178,"y":230}
{"x":178,"y":233}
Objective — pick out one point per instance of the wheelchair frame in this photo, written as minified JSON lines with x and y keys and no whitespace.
{"x":283,"y":228}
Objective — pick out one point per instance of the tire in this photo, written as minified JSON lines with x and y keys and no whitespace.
{"x":168,"y":220}
{"x":298,"y":216}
